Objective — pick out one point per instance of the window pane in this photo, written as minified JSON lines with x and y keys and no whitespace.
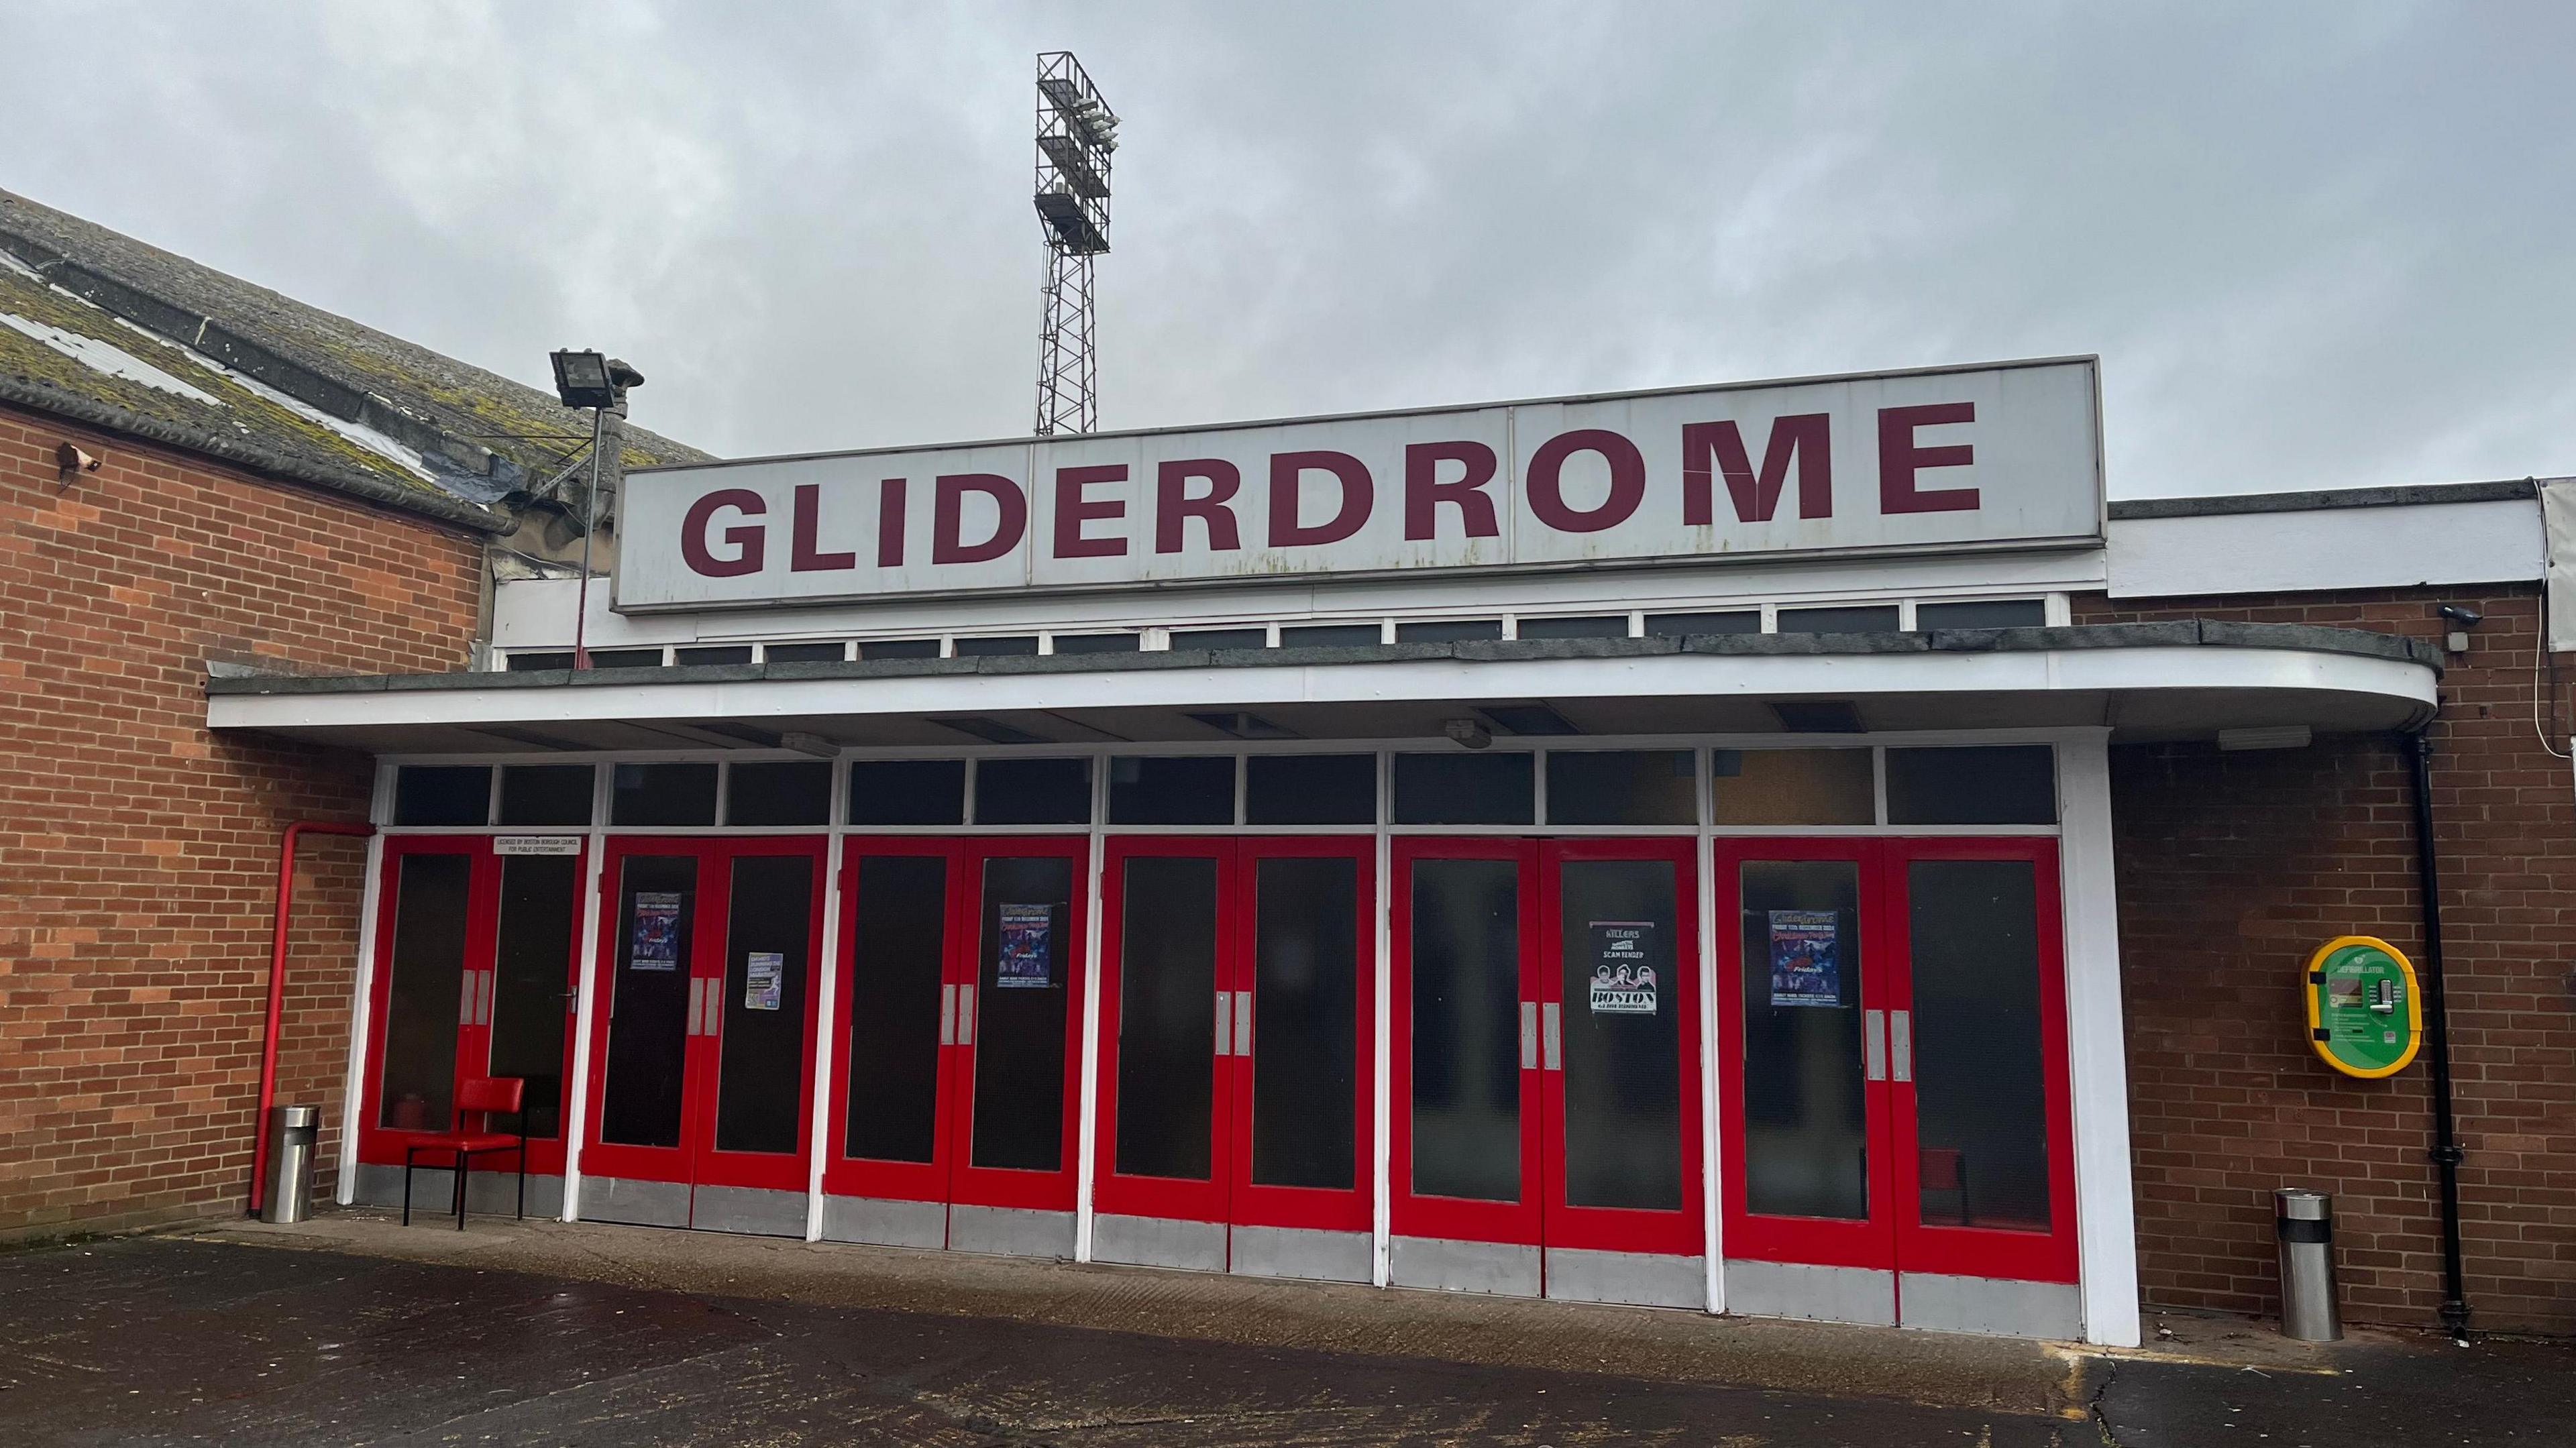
{"x":1622,"y":1065}
{"x":1980,"y":1098}
{"x":898,"y":952}
{"x":1792,"y":787}
{"x":1099,"y":643}
{"x":1195,"y":789}
{"x":522,"y":662}
{"x":1019,"y":1028}
{"x":1220,"y":638}
{"x":1310,"y":789}
{"x":1464,"y":788}
{"x":1806,"y":1134}
{"x":1620,"y":787}
{"x":626,"y":658}
{"x":712,"y":654}
{"x":1001,"y":647}
{"x":663,"y":794}
{"x":545,"y":794}
{"x":1677,"y":625}
{"x":648,"y":1008}
{"x":1597,"y":626}
{"x":531,"y":974}
{"x":899,"y":649}
{"x":1466,"y":1087}
{"x":1864,"y":618}
{"x":781,"y":793}
{"x":443,"y":794}
{"x":426,"y":994}
{"x":1166,"y":1017}
{"x":1329,"y":636}
{"x":1305,"y":1022}
{"x":1448,"y":630}
{"x":769,"y":935}
{"x":1982,"y":613}
{"x":907,"y":791}
{"x":831,"y":653}
{"x":1033,"y":792}
{"x":1987,"y":784}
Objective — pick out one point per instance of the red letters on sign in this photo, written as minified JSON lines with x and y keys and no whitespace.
{"x":1900,"y":457}
{"x":1288,"y":469}
{"x":1072,"y":510}
{"x":1424,"y":492}
{"x":803,"y":555}
{"x":1173,"y":505}
{"x":749,"y":539}
{"x":1547,"y":488}
{"x":1807,"y":437}
{"x":890,"y":522}
{"x":947,"y":517}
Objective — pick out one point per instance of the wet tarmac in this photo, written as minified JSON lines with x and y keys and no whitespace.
{"x":170,"y":1340}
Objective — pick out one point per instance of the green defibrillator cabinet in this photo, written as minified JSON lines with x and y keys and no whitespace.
{"x":2363,"y":1015}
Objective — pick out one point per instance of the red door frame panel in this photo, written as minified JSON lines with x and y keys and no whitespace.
{"x":1412,"y":1214}
{"x":2044,"y":1256}
{"x":382,"y":1145}
{"x":924,"y":1181}
{"x":1681,"y":1232}
{"x":774,"y":1171}
{"x":1830,"y":1242}
{"x":1152,"y":1196}
{"x":1314,"y":1208}
{"x":988,"y":1186}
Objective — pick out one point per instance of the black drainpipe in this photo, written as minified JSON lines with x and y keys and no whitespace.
{"x":2446,"y":1151}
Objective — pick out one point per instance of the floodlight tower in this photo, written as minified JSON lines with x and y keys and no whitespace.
{"x":1076,"y":133}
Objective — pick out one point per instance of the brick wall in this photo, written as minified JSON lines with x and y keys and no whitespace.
{"x":138,"y":852}
{"x":2233,"y":867}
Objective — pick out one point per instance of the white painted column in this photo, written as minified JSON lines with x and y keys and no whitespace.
{"x":827,"y":1014}
{"x":1089,"y":1090}
{"x":353,"y":1088}
{"x":1382,"y":1044}
{"x":2096,"y":1045}
{"x":576,"y":1093}
{"x":1711,"y":1178}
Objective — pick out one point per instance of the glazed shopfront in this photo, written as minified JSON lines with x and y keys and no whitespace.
{"x":1650,"y":850}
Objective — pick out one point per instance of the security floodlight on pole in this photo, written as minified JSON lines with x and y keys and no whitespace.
{"x":1076,"y":133}
{"x":589,"y":379}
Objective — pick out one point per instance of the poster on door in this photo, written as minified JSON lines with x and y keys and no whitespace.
{"x":1028,"y":948}
{"x":1806,"y":958}
{"x":762,"y":978}
{"x":653,"y":941}
{"x":1623,"y":984}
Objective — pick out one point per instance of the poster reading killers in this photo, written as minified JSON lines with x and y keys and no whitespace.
{"x":1806,"y":958}
{"x":1623,"y":984}
{"x":1028,"y":947}
{"x":763,"y":980}
{"x":654,"y":942}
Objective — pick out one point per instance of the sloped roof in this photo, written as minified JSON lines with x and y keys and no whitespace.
{"x":108,"y":330}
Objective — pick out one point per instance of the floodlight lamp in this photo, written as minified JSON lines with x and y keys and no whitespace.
{"x":582,"y":379}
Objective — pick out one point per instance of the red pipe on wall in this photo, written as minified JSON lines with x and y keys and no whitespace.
{"x":277,"y":994}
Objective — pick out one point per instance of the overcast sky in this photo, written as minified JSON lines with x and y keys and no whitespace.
{"x":2315,"y":244}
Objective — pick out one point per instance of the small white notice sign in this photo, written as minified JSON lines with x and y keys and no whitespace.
{"x":536,"y":844}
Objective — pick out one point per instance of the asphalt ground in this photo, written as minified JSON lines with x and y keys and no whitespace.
{"x":424,"y":1337}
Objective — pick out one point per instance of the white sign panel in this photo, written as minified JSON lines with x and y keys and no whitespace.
{"x":1988,"y":457}
{"x":536,"y":844}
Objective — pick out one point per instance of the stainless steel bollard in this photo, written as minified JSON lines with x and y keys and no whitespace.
{"x":292,"y":1134}
{"x":2304,"y":1222}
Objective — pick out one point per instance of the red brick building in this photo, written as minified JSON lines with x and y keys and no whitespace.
{"x":1581,"y":865}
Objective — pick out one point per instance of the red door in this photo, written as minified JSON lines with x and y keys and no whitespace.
{"x":1892,"y":1057}
{"x":1546,"y":1050}
{"x":961,"y":981}
{"x":702,"y":1065}
{"x":1236,"y":1007}
{"x":474,"y":974}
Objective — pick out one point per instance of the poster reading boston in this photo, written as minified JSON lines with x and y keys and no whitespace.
{"x":1623,"y":984}
{"x":1806,"y":958}
{"x":1027,"y":961}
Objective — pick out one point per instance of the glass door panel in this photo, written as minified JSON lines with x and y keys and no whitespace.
{"x":1622,"y":994}
{"x":425,"y":1002}
{"x":1166,"y":959}
{"x":540,"y":919}
{"x":654,"y":1001}
{"x":1805,"y":1083}
{"x":900,"y":1012}
{"x":1466,"y":1049}
{"x":759,"y":1016}
{"x":1017,"y":1012}
{"x":1305,"y":986}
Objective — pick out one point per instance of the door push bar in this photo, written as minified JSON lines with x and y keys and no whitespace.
{"x":697,"y":1002}
{"x":1540,"y":1042}
{"x":1234,"y":1023}
{"x":966,"y":1014}
{"x":1873,"y":1042}
{"x":474,"y":1006}
{"x":1900,"y":1045}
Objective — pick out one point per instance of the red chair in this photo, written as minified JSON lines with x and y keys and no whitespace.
{"x":1945,"y":1169}
{"x":484,"y":1096}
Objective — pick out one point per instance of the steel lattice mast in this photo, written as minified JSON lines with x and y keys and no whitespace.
{"x":1076,"y":131}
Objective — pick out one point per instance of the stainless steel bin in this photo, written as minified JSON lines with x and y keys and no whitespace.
{"x":2304,"y":1223}
{"x":287,"y":1196}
